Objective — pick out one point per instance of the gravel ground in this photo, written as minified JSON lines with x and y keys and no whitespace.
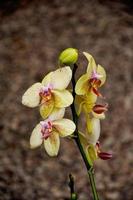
{"x":31,"y":38}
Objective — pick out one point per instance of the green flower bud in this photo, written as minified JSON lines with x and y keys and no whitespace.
{"x":68,"y":56}
{"x":74,"y":196}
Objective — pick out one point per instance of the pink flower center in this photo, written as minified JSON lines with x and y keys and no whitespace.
{"x":45,"y":93}
{"x":46,"y":129}
{"x":95,"y":82}
{"x":95,"y":75}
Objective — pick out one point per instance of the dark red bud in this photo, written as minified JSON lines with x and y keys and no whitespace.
{"x":104,"y":155}
{"x":99,"y":109}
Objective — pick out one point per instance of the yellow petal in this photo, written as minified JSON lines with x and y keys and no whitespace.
{"x":82,"y":85}
{"x":101,"y":71}
{"x":91,"y":154}
{"x":92,"y":64}
{"x":36,"y":137}
{"x":89,"y":124}
{"x":31,"y":97}
{"x":79,"y":102}
{"x":62,"y":98}
{"x":65,"y":127}
{"x":61,"y":78}
{"x":89,"y":149}
{"x":90,"y":100}
{"x":46,"y":108}
{"x":95,"y":132}
{"x":47,"y":79}
{"x":52,"y":144}
{"x":57,"y":113}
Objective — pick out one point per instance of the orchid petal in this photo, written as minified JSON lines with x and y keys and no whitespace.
{"x":79,"y":102}
{"x":101,"y":71}
{"x":57,"y":113}
{"x":65,"y":127}
{"x":62,"y":98}
{"x":92,"y":64}
{"x":47,"y":79}
{"x":82,"y":85}
{"x":52,"y":144}
{"x":95,"y":130}
{"x":89,"y":124}
{"x":61,"y":78}
{"x":31,"y":97}
{"x":46,"y":108}
{"x":36,"y":137}
{"x":91,"y":154}
{"x":90,"y":100}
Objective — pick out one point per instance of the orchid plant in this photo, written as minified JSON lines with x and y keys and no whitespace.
{"x":52,"y":97}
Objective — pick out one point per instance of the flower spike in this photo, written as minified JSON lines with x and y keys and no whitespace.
{"x":52,"y":97}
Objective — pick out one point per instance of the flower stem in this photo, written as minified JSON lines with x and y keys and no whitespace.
{"x":72,"y":190}
{"x":89,"y":168}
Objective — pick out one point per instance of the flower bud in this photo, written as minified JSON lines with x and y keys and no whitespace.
{"x":99,"y":109}
{"x":104,"y":155}
{"x":68,"y":56}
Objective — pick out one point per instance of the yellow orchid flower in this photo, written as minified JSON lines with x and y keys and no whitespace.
{"x":93,"y":130}
{"x":87,"y":104}
{"x":90,"y":142}
{"x":47,"y":132}
{"x":90,"y":139}
{"x":89,"y":149}
{"x":93,"y":79}
{"x":51,"y":92}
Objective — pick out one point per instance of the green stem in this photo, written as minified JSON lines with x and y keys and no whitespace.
{"x":72,"y":190}
{"x":89,"y":168}
{"x":93,"y":185}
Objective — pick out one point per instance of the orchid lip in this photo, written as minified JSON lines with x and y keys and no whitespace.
{"x":46,"y":129}
{"x":99,"y":109}
{"x":45,"y":92}
{"x":46,"y":88}
{"x":95,"y":75}
{"x":101,"y":154}
{"x":104,"y":155}
{"x":97,"y":92}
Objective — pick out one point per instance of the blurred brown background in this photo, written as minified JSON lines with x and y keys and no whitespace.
{"x":32,"y":34}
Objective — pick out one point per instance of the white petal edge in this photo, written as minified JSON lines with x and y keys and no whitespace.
{"x":94,"y":136}
{"x":47,"y":79}
{"x":31,"y":97}
{"x":35,"y":138}
{"x":92,"y":64}
{"x":61,"y":78}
